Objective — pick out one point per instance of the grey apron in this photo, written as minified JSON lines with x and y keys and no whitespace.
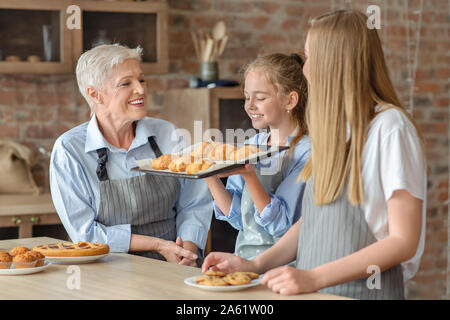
{"x":333,"y":231}
{"x":146,"y":202}
{"x":253,"y":239}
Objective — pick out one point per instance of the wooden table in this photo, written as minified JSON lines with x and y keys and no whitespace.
{"x":24,"y":211}
{"x":122,"y":276}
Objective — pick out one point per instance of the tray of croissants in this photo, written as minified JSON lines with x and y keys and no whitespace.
{"x":205,"y":159}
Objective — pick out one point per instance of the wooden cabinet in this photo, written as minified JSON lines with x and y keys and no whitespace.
{"x":59,"y":31}
{"x":22,"y":25}
{"x":29,"y":213}
{"x":127,"y":23}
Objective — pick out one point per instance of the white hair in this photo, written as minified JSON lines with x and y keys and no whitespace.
{"x":94,"y":66}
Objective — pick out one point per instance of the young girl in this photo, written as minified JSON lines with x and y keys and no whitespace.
{"x":263,"y":203}
{"x":363,"y":212}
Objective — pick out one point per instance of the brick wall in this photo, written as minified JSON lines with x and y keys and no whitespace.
{"x":35,"y":109}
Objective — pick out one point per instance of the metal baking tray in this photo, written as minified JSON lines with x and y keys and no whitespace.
{"x":145,"y":165}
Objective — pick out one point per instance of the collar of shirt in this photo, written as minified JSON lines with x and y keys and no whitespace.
{"x":265,"y":137}
{"x":95,"y":139}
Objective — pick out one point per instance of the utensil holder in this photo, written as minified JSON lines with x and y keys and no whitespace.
{"x":209,"y":71}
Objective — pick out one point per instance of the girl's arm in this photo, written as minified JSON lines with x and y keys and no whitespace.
{"x":405,"y":220}
{"x":220,"y":194}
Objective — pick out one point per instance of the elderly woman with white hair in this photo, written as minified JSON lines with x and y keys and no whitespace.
{"x":96,"y":194}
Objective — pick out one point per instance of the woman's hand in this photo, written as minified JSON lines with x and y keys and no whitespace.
{"x":227,"y":262}
{"x":288,"y":280}
{"x":188,"y":245}
{"x":173,"y":252}
{"x":244,"y":172}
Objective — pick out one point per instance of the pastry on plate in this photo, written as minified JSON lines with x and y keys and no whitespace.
{"x":68,"y":249}
{"x":24,"y":260}
{"x":18,"y":250}
{"x":219,"y":278}
{"x":5,"y":260}
{"x":39,"y":257}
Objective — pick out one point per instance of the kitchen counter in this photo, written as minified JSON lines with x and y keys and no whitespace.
{"x":121,"y":276}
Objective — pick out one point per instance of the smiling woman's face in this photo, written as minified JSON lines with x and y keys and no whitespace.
{"x":125,"y":93}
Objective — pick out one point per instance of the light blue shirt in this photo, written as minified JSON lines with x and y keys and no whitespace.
{"x":75,"y":186}
{"x":285,"y":204}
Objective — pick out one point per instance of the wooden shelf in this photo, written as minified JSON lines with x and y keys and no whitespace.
{"x":128,"y":23}
{"x":21,"y":23}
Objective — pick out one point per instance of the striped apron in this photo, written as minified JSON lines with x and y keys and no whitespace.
{"x":146,"y":202}
{"x":335,"y":230}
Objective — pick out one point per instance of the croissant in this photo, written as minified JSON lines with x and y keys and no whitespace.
{"x":197,"y":166}
{"x":162,"y":163}
{"x":202,"y":150}
{"x":179,"y":164}
{"x":222,"y":152}
{"x":245,"y":152}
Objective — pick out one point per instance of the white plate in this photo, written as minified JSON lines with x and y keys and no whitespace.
{"x":75,"y":260}
{"x":15,"y":272}
{"x":191,"y":282}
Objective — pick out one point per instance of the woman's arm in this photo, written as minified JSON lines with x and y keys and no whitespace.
{"x":172,"y":251}
{"x":405,"y":220}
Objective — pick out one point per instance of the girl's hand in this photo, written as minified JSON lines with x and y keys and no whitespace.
{"x":245,"y":171}
{"x":173,"y":252}
{"x":288,"y":280}
{"x":226,"y":262}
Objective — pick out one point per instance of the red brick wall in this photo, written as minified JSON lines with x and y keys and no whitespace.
{"x":35,"y":109}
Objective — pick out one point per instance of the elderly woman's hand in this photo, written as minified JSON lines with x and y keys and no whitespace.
{"x":173,"y":252}
{"x":189,"y":245}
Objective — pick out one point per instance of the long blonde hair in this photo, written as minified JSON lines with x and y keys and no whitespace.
{"x":348,"y":78}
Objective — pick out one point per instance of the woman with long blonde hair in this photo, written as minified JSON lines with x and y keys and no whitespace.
{"x":361,"y":233}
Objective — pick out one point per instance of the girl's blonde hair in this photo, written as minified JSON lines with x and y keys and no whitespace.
{"x":286,"y":74}
{"x":348,"y":78}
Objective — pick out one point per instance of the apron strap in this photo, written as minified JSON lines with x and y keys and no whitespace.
{"x":102,"y":174}
{"x":154,"y":146}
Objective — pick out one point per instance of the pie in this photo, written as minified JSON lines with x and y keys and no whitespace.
{"x":68,"y":249}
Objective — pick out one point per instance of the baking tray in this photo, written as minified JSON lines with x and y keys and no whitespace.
{"x":145,"y":165}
